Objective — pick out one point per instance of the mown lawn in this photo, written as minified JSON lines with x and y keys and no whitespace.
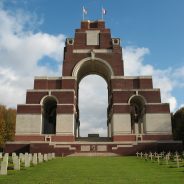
{"x":96,"y":170}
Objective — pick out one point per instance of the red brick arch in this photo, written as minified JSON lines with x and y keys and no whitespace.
{"x":89,"y":66}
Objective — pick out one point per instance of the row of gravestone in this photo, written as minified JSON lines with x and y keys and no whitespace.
{"x":169,"y":159}
{"x":26,"y":160}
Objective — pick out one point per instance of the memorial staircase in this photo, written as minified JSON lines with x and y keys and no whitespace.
{"x":93,"y":139}
{"x":92,"y":146}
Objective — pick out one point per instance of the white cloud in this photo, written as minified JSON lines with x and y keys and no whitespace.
{"x":133,"y":61}
{"x":93,"y":99}
{"x":21,"y":48}
{"x":163,"y":79}
{"x":181,"y":106}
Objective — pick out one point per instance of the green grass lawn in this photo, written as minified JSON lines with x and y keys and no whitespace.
{"x":98,"y":170}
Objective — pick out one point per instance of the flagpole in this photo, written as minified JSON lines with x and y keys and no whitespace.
{"x":102,"y":12}
{"x":83,"y":13}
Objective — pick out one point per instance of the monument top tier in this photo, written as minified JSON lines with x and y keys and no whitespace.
{"x":88,"y":24}
{"x":93,"y":42}
{"x":92,"y":25}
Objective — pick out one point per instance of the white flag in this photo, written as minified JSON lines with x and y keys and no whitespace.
{"x":104,"y":11}
{"x":84,"y":10}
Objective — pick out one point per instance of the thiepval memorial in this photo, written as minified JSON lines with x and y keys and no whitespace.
{"x":49,"y":120}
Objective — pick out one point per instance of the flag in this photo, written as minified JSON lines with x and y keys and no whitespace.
{"x":104,"y":11}
{"x":84,"y":10}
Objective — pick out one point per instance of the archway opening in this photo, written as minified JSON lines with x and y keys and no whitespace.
{"x":49,"y":115}
{"x":137,"y":104}
{"x":93,"y":102}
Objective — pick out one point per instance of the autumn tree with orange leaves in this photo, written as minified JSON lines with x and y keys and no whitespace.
{"x":7,"y":124}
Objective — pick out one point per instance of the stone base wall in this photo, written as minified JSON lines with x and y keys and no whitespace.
{"x":158,"y":123}
{"x":121,"y":124}
{"x":45,"y":138}
{"x":28,"y":124}
{"x":103,"y":147}
{"x":142,"y":137}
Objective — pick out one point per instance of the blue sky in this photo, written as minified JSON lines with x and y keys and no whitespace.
{"x":157,"y":25}
{"x":32,"y":35}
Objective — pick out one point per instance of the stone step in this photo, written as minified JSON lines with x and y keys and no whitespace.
{"x":94,"y":139}
{"x":93,"y":154}
{"x":122,"y":146}
{"x":64,"y":146}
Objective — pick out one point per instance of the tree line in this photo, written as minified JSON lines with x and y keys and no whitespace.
{"x":178,"y":124}
{"x":7,"y":124}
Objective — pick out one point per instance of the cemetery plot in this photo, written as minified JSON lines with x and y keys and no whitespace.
{"x":22,"y":161}
{"x":169,"y":159}
{"x":102,"y":170}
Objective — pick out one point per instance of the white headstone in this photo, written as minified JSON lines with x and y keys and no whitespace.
{"x":158,"y":158}
{"x":167,"y":159}
{"x":6,"y":158}
{"x":27,"y":160}
{"x":16,"y":163}
{"x":1,"y":155}
{"x":151,"y":156}
{"x":22,"y":157}
{"x":49,"y":156}
{"x":40,"y":158}
{"x":177,"y":160}
{"x":35,"y":161}
{"x":14,"y":155}
{"x":45,"y":157}
{"x":30,"y":157}
{"x":141,"y":155}
{"x":4,"y":168}
{"x":53,"y":155}
{"x":146,"y":156}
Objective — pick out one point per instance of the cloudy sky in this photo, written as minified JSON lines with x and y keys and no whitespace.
{"x":33,"y":32}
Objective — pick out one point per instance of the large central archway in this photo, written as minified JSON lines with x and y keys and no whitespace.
{"x":93,"y":103}
{"x":88,"y":66}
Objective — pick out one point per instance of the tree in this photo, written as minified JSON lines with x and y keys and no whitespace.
{"x":178,"y":125}
{"x":2,"y":124}
{"x":7,"y":124}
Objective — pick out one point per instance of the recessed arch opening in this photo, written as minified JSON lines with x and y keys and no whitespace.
{"x":93,"y":103}
{"x":99,"y":68}
{"x":49,"y":107}
{"x":137,"y":104}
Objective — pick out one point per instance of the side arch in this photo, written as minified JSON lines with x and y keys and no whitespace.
{"x":49,"y":114}
{"x":137,"y":113}
{"x":137,"y":96}
{"x":42,"y":100}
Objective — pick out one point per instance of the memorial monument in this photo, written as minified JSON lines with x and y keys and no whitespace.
{"x":136,"y":117}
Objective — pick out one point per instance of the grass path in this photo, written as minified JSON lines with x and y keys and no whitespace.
{"x":96,"y":170}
